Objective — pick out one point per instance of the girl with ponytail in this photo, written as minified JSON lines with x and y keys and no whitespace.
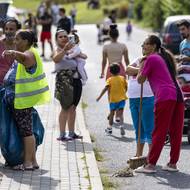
{"x":114,"y":53}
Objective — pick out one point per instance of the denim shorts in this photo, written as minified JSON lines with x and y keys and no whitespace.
{"x":117,"y":105}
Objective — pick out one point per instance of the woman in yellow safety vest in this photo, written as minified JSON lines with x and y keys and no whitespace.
{"x":27,"y":87}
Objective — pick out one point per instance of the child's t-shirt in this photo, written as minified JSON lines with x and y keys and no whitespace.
{"x":117,"y":88}
{"x":159,"y":78}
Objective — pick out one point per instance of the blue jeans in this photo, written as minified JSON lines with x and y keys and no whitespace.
{"x":147,"y":119}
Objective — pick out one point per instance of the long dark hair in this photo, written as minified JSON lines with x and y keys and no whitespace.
{"x":114,"y":32}
{"x":165,"y":54}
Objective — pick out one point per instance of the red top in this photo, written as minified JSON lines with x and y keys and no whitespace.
{"x":5,"y":64}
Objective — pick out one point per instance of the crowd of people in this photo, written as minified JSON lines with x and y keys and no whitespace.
{"x":150,"y":77}
{"x":155,"y":71}
{"x":23,"y":83}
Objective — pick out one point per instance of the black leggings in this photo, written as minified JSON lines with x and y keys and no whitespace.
{"x":77,"y":91}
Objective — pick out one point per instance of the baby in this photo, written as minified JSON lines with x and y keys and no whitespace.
{"x":75,"y":53}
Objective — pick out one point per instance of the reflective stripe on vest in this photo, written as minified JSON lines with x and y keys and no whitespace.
{"x":25,"y":94}
{"x":31,"y":89}
{"x":20,"y":81}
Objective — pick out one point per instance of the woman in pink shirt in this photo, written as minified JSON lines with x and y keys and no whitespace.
{"x":159,"y":68}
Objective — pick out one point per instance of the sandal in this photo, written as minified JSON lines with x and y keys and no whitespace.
{"x":75,"y":136}
{"x":18,"y":167}
{"x":36,"y":167}
{"x":145,"y":169}
{"x":29,"y":168}
{"x":169,"y":168}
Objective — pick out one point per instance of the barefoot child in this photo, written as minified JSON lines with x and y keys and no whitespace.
{"x":116,"y":86}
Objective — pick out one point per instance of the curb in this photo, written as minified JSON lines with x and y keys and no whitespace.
{"x":94,"y":175}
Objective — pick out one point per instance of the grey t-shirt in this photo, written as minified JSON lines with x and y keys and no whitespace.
{"x":66,"y":64}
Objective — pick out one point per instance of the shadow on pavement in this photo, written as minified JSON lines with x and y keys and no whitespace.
{"x":33,"y":179}
{"x":177,"y":180}
{"x":127,"y":126}
{"x":77,"y":146}
{"x":123,"y":139}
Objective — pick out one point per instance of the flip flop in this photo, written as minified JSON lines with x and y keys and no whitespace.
{"x":19,"y":167}
{"x":170,"y":169}
{"x":36,"y":167}
{"x":143,"y":169}
{"x":29,"y":168}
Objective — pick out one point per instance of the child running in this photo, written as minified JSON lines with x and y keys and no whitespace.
{"x":116,"y":86}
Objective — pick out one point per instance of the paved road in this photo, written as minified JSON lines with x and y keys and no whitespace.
{"x":117,"y":150}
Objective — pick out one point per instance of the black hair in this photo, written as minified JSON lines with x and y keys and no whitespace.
{"x":12,"y":19}
{"x":183,"y":22}
{"x":165,"y":54}
{"x":114,"y":68}
{"x":58,"y":31}
{"x":30,"y":36}
{"x":74,"y":32}
{"x":113,"y":32}
{"x":62,"y":10}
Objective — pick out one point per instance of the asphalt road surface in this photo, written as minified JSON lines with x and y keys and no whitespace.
{"x":116,"y":150}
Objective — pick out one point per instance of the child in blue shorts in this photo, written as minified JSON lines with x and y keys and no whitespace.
{"x":116,"y":86}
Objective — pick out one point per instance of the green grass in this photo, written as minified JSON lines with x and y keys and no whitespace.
{"x":84,"y":15}
{"x":84,"y":105}
{"x":98,"y":154}
{"x":108,"y":184}
{"x":93,"y":138}
{"x":28,"y":5}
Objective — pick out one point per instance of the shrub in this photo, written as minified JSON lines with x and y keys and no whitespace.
{"x":122,"y":11}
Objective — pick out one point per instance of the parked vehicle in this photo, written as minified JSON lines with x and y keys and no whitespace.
{"x":170,"y":35}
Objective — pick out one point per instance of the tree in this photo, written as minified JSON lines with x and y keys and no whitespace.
{"x":153,"y":14}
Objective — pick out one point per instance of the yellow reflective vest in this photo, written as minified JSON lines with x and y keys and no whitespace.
{"x":31,"y":89}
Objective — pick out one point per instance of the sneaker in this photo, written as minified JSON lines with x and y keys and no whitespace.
{"x":59,"y":138}
{"x":75,"y":136}
{"x":122,"y":131}
{"x":64,"y":138}
{"x":108,"y":130}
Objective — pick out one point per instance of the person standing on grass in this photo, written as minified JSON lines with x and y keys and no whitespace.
{"x":116,"y":86}
{"x":160,"y":70}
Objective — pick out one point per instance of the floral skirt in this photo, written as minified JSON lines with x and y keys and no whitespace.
{"x":67,"y":89}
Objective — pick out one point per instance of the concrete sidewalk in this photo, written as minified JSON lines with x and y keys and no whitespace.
{"x":63,"y":165}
